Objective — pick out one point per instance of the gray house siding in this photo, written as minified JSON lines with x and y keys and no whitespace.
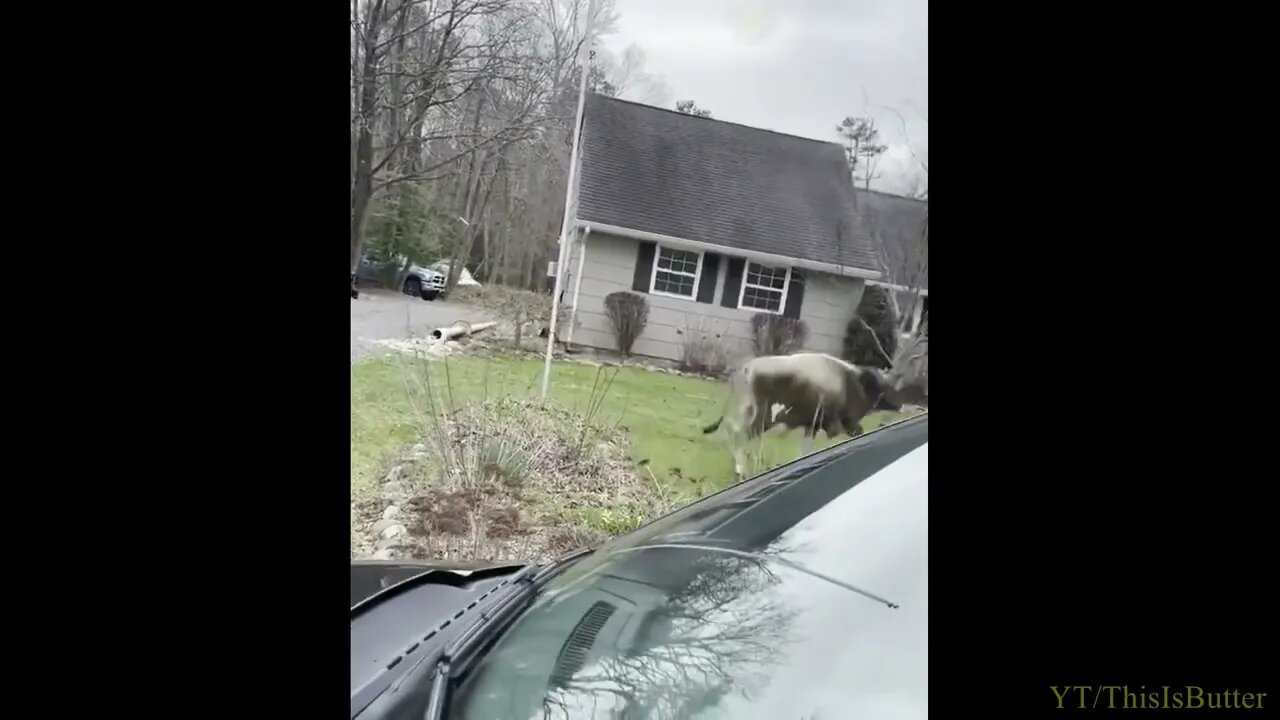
{"x":828,"y":305}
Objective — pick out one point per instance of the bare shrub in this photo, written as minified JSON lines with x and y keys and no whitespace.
{"x":505,"y":478}
{"x":911,"y":359}
{"x":703,"y":348}
{"x":776,"y":334}
{"x":629,"y":313}
{"x":521,"y":307}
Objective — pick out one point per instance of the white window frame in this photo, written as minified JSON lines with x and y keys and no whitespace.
{"x":742,"y":287}
{"x":697,"y":275}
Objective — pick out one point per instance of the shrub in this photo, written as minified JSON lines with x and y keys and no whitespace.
{"x":875,"y":311}
{"x":522,"y":307}
{"x":777,"y":335}
{"x":505,"y":478}
{"x":629,"y":313}
{"x":702,"y":350}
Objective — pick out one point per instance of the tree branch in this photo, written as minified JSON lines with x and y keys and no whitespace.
{"x":875,"y":339}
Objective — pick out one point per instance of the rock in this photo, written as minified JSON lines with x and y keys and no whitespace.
{"x":385,"y":554}
{"x":394,"y":531}
{"x":380,"y":528}
{"x":419,"y":449}
{"x":390,"y":512}
{"x":394,"y":474}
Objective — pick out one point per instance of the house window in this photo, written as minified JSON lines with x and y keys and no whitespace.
{"x":764,"y":288}
{"x":676,"y":272}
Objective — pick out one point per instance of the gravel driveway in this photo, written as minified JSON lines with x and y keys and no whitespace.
{"x":385,"y":315}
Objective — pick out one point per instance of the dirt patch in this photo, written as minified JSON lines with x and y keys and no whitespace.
{"x":505,"y":479}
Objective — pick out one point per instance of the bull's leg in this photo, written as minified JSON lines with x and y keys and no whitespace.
{"x":811,"y":429}
{"x":749,"y":417}
{"x":806,"y":442}
{"x":740,"y":460}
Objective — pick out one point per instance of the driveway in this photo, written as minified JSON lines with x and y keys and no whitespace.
{"x":386,"y":315}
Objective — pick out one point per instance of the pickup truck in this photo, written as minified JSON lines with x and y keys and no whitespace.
{"x":415,"y":280}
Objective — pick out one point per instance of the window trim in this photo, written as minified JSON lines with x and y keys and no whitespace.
{"x":742,"y":287}
{"x":697,"y":275}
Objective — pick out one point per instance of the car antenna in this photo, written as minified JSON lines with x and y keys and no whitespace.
{"x":764,"y":558}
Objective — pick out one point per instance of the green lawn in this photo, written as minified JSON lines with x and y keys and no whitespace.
{"x":663,"y":414}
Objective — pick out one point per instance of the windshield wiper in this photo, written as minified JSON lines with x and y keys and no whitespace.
{"x":433,"y":576}
{"x":460,"y":652}
{"x":562,"y":562}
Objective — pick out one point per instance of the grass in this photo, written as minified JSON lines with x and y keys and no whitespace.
{"x":663,"y":415}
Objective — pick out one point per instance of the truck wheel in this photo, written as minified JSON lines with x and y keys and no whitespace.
{"x":413,"y":286}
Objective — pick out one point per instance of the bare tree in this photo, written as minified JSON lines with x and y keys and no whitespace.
{"x":689,"y":107}
{"x":415,"y":65}
{"x":902,"y":245}
{"x":862,"y":147}
{"x":461,"y":128}
{"x":917,"y":185}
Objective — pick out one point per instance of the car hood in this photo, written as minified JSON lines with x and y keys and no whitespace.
{"x":772,"y":614}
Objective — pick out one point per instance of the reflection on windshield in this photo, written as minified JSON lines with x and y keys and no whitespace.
{"x":747,"y":618}
{"x":714,"y":637}
{"x":784,"y":561}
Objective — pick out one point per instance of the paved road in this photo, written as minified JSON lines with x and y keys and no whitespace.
{"x":382,"y":315}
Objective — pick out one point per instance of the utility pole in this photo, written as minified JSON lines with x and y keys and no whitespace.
{"x":567,"y":224}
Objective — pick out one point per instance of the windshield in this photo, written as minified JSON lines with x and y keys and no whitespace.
{"x":739,"y":609}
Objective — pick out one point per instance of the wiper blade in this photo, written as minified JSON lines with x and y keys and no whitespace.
{"x":433,"y":576}
{"x":459,"y":653}
{"x":562,"y":562}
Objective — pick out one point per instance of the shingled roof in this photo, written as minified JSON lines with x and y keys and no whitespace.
{"x":660,"y":171}
{"x":897,"y":226}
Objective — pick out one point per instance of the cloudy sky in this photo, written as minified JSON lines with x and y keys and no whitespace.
{"x":797,"y":67}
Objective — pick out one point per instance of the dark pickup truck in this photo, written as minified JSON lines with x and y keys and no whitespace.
{"x":414,"y":280}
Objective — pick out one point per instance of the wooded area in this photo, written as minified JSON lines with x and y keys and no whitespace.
{"x":461,"y":129}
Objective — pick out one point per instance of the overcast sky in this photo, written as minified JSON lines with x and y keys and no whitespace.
{"x":797,"y":67}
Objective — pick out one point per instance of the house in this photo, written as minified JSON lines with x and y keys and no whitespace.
{"x":898,"y":226}
{"x":712,"y":222}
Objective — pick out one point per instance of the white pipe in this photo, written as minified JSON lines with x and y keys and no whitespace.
{"x":569,"y":210}
{"x":460,"y":329}
{"x":577,"y":286}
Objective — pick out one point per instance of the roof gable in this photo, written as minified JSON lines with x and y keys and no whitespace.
{"x":897,"y":228}
{"x":668,"y":173}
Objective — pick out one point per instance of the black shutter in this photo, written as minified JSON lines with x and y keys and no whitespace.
{"x":707,"y":286}
{"x":733,"y":282}
{"x":795,"y":294}
{"x":644,"y":266}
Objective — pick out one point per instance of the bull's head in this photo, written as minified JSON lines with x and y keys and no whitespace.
{"x":898,"y":389}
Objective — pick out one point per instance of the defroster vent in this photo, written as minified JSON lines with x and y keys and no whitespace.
{"x":574,"y":652}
